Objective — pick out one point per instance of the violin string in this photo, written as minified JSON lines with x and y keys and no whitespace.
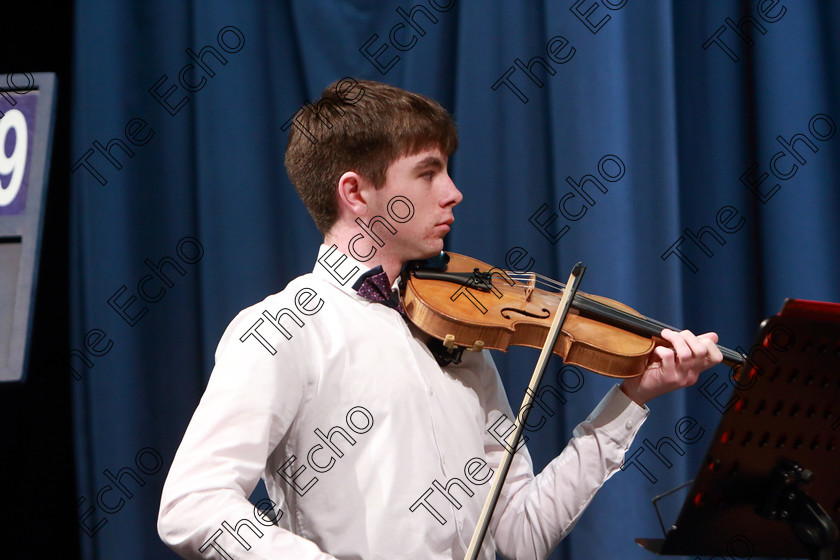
{"x":540,"y":280}
{"x":606,"y":310}
{"x":601,"y":307}
{"x":543,"y":280}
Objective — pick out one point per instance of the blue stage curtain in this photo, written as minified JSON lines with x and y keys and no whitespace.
{"x":664,"y":114}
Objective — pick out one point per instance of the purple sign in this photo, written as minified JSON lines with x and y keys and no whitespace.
{"x":17,"y":132}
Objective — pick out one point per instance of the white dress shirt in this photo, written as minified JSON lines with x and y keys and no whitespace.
{"x":368,"y":448}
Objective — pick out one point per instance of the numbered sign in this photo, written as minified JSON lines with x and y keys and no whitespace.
{"x":16,"y":129}
{"x":27,"y":104}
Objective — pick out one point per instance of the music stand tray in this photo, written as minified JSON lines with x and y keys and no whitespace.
{"x":770,"y":481}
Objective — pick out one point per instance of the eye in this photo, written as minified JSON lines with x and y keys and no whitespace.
{"x":429,"y":175}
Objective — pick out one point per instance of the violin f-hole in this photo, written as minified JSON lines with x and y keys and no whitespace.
{"x":526,"y":313}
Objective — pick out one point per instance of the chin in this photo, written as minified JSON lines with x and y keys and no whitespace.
{"x":431,"y":250}
{"x":437,"y":246}
{"x":428,"y":254}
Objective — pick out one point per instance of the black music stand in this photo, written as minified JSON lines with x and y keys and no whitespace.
{"x":769,"y":485}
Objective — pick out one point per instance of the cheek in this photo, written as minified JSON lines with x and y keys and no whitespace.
{"x":418,"y":230}
{"x":421,"y":219}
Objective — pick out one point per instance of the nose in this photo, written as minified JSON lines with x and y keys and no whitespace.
{"x":452,"y":195}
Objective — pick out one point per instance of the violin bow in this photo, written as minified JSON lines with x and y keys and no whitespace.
{"x":522,"y":417}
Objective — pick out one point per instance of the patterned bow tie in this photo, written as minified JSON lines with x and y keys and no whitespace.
{"x":373,"y":285}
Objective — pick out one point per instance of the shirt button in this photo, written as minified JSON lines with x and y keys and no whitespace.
{"x":629,"y":425}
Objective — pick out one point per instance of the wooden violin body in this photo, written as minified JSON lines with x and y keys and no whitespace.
{"x":471,"y":305}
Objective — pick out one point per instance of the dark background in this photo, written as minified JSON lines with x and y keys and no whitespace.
{"x":38,"y":489}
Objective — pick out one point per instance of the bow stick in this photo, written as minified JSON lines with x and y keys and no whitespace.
{"x":524,"y":410}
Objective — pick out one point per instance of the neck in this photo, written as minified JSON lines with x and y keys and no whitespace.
{"x":391,"y":264}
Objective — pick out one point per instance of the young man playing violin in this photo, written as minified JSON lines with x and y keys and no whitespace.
{"x":369,"y":448}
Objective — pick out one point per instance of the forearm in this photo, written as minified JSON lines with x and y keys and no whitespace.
{"x":205,"y":512}
{"x":223,"y":524}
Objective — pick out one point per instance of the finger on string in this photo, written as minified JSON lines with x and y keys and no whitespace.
{"x":699,"y":348}
{"x":681,"y":348}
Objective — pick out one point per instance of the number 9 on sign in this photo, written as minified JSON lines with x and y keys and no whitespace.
{"x":12,"y":165}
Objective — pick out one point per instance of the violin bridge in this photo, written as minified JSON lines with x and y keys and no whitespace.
{"x":529,"y":289}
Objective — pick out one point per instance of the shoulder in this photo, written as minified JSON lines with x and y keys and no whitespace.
{"x":269,"y":322}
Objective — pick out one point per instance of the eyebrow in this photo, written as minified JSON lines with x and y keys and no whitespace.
{"x":429,"y":161}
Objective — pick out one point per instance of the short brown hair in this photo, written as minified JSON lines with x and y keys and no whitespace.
{"x":369,"y":125}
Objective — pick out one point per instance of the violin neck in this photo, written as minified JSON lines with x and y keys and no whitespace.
{"x":643,"y":326}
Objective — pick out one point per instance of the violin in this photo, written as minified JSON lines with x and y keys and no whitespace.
{"x":469,"y":305}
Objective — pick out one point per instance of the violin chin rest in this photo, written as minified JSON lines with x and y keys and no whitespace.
{"x":438,"y":262}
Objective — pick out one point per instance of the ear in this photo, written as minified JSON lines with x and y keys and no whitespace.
{"x":353,"y":193}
